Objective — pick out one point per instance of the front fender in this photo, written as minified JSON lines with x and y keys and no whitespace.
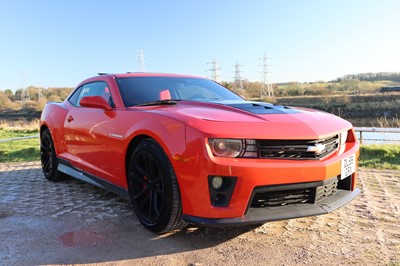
{"x":169,"y":133}
{"x":128,"y":125}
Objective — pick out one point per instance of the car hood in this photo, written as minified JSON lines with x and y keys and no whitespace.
{"x":256,"y":119}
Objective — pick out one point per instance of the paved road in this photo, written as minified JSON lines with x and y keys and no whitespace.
{"x":71,"y":222}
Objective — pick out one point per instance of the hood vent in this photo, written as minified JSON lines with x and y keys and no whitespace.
{"x":262,"y":108}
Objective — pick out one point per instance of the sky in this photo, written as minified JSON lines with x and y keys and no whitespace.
{"x":60,"y":43}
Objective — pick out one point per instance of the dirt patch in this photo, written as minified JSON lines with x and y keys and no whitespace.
{"x":70,"y":222}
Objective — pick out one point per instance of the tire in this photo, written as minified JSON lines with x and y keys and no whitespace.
{"x":49,"y":158}
{"x":154,"y":189}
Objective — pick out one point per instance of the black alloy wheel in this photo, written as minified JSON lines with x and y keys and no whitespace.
{"x":154,"y":189}
{"x":148,"y":191}
{"x":48,"y":157}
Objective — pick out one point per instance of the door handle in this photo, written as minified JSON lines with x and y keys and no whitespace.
{"x":70,"y":118}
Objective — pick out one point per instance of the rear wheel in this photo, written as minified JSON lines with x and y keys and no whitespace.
{"x":154,"y":189}
{"x":48,"y":157}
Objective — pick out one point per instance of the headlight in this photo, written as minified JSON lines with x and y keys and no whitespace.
{"x":343,"y":138}
{"x":226,"y":147}
{"x":233,"y":148}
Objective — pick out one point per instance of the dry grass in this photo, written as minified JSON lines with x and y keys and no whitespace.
{"x":21,"y":124}
{"x":393,"y":122}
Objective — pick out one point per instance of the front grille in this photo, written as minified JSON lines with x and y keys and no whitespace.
{"x":303,"y":193}
{"x":297,"y":149}
{"x":282,"y":198}
{"x":326,"y":191}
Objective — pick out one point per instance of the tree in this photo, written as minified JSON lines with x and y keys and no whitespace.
{"x":10,"y":94}
{"x":351,"y":85}
{"x":6,"y":103}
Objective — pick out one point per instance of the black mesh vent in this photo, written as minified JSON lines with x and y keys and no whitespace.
{"x":281,"y":198}
{"x":326,"y":191}
{"x":303,"y":193}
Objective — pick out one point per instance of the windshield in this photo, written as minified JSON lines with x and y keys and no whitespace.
{"x":141,"y":90}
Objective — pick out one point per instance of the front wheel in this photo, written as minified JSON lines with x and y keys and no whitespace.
{"x":154,"y":189}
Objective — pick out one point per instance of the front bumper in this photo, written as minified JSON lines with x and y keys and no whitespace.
{"x":258,"y":215}
{"x":201,"y":207}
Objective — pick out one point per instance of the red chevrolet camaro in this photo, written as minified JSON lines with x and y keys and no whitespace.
{"x":185,"y":149}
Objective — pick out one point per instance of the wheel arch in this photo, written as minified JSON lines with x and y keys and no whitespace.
{"x":52,"y":118}
{"x":131,"y":148}
{"x":134,"y":142}
{"x":170,"y":134}
{"x":43,"y":127}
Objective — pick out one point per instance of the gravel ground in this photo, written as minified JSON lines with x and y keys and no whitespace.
{"x":70,"y":222}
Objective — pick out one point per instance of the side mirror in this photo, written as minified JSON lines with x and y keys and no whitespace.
{"x":95,"y":102}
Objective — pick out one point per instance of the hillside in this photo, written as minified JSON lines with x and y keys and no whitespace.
{"x":362,"y":110}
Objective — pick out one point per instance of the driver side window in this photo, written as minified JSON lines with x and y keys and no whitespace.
{"x":95,"y":89}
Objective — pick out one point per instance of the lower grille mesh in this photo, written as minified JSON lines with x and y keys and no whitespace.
{"x":326,"y":191}
{"x":282,"y":197}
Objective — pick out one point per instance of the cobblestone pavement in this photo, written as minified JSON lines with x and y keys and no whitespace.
{"x":26,"y":191}
{"x":70,"y":222}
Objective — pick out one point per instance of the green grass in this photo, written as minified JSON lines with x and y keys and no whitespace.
{"x":371,"y":156}
{"x":19,"y":150}
{"x":380,"y":157}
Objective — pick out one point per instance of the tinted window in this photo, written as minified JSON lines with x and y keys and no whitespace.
{"x":138,"y":90}
{"x":95,"y":89}
{"x":74,"y":97}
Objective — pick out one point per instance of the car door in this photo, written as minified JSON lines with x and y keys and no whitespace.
{"x":86,"y":131}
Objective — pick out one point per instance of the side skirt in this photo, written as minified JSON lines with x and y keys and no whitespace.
{"x":66,"y":168}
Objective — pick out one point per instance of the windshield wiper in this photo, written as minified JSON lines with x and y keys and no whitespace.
{"x":159,"y":102}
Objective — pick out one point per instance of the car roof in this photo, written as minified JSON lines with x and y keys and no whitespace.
{"x":106,"y":76}
{"x":147,"y":74}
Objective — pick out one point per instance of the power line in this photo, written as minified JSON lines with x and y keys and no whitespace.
{"x":266,"y":86}
{"x":25,"y":95}
{"x":238,"y":79}
{"x":216,"y":74}
{"x":140,"y":56}
{"x":40,"y":94}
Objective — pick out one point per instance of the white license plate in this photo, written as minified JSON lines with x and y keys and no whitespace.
{"x":348,"y":166}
